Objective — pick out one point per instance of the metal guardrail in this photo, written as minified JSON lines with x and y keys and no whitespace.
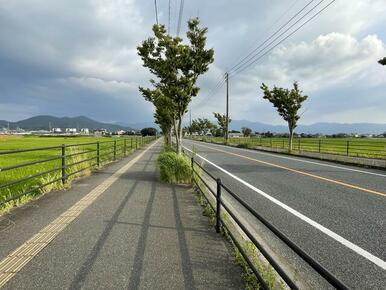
{"x":353,"y":148}
{"x":93,"y":156}
{"x":323,"y":272}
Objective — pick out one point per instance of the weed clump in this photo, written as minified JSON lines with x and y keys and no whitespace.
{"x":243,"y":145}
{"x":174,"y":168}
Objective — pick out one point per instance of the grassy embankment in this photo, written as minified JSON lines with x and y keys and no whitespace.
{"x":369,"y":148}
{"x":9,"y":143}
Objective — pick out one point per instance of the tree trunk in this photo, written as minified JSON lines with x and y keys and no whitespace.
{"x":176,"y":131}
{"x":179,"y":134}
{"x":290,"y":138}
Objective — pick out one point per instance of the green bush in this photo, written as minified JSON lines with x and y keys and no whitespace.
{"x":174,"y":168}
{"x":243,"y":145}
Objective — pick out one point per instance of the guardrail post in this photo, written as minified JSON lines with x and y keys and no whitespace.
{"x":131,"y":143}
{"x":271,"y":142}
{"x":136,"y":142}
{"x":348,"y":146}
{"x":64,"y":164}
{"x":218,"y":205}
{"x":98,"y":153}
{"x":192,"y":161}
{"x":299,"y":144}
{"x":124,"y":147}
{"x":115,"y":150}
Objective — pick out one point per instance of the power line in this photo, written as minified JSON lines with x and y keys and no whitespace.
{"x":156,"y":11}
{"x":272,"y":35}
{"x":169,"y":18}
{"x":240,"y":58}
{"x":180,"y":17}
{"x":281,"y":41}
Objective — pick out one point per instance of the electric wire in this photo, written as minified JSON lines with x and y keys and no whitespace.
{"x":256,"y":56}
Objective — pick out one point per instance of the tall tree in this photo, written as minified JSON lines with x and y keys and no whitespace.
{"x":222,"y":121}
{"x":287,"y":103}
{"x":164,"y":115}
{"x":246,"y":131}
{"x":382,"y":61}
{"x":177,"y":67}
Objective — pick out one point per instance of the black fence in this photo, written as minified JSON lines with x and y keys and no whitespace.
{"x":220,"y":205}
{"x":35,"y":169}
{"x":366,"y":148}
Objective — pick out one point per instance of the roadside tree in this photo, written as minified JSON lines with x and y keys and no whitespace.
{"x":246,"y":131}
{"x":222,"y":122}
{"x":177,"y":67}
{"x":287,"y":103}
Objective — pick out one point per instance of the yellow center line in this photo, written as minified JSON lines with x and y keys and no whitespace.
{"x":301,"y":172}
{"x":20,"y":257}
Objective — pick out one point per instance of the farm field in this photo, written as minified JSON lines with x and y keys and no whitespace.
{"x":368,"y":148}
{"x":41,"y":170}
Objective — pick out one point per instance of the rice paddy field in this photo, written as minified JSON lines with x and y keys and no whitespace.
{"x":31,"y":165}
{"x":358,"y":147}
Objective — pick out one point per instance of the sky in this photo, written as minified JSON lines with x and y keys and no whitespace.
{"x":78,"y":57}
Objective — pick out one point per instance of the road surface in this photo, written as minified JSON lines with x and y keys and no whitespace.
{"x":336,"y":213}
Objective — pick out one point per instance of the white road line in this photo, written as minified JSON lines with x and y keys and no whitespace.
{"x":377,"y":261}
{"x":299,"y":160}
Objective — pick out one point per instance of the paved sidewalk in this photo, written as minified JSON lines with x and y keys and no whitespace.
{"x":139,"y":233}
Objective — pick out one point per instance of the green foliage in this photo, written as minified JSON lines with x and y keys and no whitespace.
{"x":149,"y":132}
{"x":222,"y":121}
{"x":246,"y":131}
{"x":287,"y":103}
{"x":243,"y":145}
{"x":177,"y":67}
{"x":201,"y":126}
{"x":174,"y":168}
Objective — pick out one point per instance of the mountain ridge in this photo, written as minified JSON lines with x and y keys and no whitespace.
{"x":43,"y":122}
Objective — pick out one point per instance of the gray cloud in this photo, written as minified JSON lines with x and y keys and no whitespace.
{"x":71,"y":57}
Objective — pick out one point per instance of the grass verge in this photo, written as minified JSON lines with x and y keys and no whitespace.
{"x":174,"y":168}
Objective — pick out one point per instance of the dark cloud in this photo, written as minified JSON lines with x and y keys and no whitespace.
{"x":71,"y":57}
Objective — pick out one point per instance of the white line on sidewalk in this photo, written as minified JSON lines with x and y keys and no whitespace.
{"x":367,"y":255}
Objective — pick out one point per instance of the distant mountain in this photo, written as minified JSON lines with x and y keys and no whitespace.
{"x":141,"y":125}
{"x":44,"y":122}
{"x":323,"y":128}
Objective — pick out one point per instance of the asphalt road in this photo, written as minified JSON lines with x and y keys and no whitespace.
{"x":336,"y":213}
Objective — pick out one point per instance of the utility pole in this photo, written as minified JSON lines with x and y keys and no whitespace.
{"x":190,"y":122}
{"x":227,"y":108}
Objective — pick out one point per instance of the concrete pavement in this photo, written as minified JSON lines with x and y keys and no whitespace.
{"x":136,"y":233}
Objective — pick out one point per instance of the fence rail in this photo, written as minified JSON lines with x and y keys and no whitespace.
{"x":220,"y":205}
{"x":37,"y":168}
{"x":354,"y":147}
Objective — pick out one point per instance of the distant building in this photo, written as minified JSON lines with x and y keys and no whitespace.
{"x":56,"y":130}
{"x":85,"y":131}
{"x":120,"y":132}
{"x":71,"y":130}
{"x":235,"y":135}
{"x":100,"y":132}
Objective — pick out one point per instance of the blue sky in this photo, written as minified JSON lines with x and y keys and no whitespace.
{"x":78,"y":57}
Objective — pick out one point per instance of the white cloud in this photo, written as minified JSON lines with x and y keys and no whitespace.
{"x":330,"y":59}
